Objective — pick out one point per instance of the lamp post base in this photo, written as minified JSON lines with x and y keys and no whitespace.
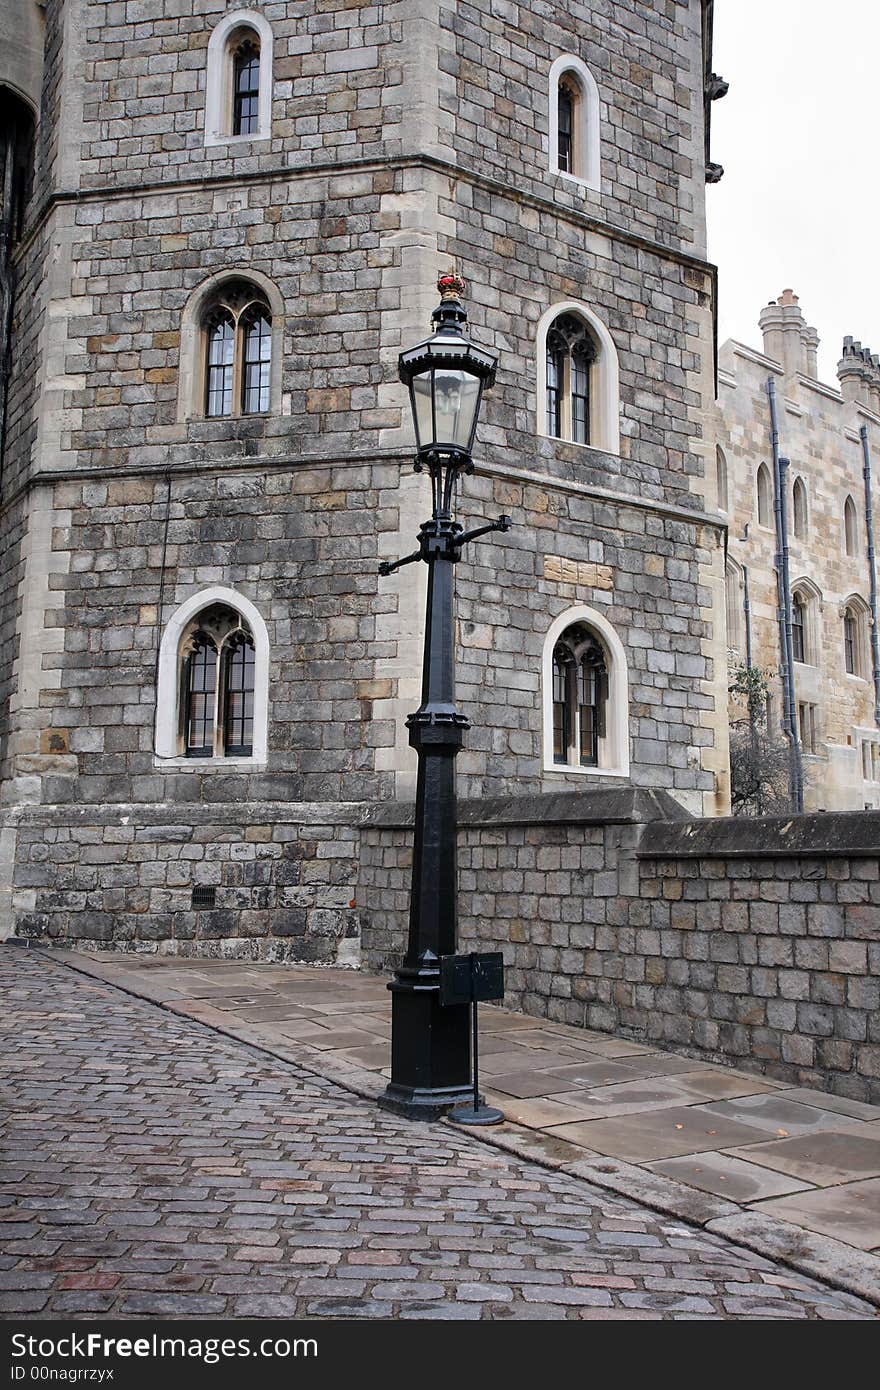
{"x":430,"y":1050}
{"x":421,"y":1104}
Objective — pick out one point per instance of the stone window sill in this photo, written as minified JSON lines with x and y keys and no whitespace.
{"x":212,"y":765}
{"x":577,"y":179}
{"x":567,"y":769}
{"x":213,"y":142}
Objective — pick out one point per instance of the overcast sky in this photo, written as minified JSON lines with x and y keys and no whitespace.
{"x":797,"y":134}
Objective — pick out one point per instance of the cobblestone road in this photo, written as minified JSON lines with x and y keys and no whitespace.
{"x":154,"y":1169}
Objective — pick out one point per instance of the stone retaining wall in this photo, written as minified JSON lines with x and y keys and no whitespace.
{"x":122,"y":878}
{"x":752,"y":942}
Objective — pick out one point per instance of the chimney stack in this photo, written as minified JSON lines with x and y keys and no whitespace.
{"x":788,"y":339}
{"x":858,"y":372}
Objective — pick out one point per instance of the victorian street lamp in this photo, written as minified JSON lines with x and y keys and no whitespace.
{"x":430,"y":1044}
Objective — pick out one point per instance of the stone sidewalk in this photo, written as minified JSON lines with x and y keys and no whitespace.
{"x":789,"y":1172}
{"x":156,"y":1169}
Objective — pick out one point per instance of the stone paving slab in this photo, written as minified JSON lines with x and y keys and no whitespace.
{"x":827,"y":1160}
{"x":153,"y":1168}
{"x":852,"y":1211}
{"x":337,"y":1000}
{"x":728,"y":1177}
{"x":782,"y":1117}
{"x":665,"y":1133}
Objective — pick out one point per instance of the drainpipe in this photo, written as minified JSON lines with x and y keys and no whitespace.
{"x":872,"y":570}
{"x":786,"y":662}
{"x":7,"y":280}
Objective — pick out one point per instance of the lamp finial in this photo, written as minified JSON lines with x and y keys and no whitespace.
{"x":450,"y":285}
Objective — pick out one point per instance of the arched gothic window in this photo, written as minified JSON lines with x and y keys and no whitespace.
{"x":580,"y":693}
{"x":585,"y":696}
{"x":212,"y":702}
{"x":765,"y":496}
{"x":798,"y":628}
{"x":577,"y":378}
{"x":238,"y":98}
{"x":721,"y":480}
{"x":571,"y":353}
{"x":574,"y":122}
{"x":856,"y":619}
{"x":850,"y":642}
{"x":850,"y":527}
{"x":217,"y":685}
{"x":237,"y":331}
{"x":799,"y":509}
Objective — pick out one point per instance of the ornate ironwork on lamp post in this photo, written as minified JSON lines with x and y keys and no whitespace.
{"x":430,"y":1044}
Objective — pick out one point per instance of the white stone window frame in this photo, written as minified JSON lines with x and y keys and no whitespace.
{"x":769,"y":524}
{"x":604,"y":378}
{"x":722,"y":480}
{"x":220,"y":78}
{"x":861,"y":612}
{"x":809,"y":728}
{"x":191,"y":385}
{"x":811,"y":596}
{"x":869,"y":745}
{"x":734,"y":599}
{"x":169,"y":691}
{"x":799,"y":489}
{"x":586,"y":136}
{"x":614,"y":758}
{"x":851,"y":547}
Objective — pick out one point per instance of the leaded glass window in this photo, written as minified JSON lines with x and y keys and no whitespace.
{"x":238,"y":352}
{"x":555,"y":377}
{"x":571,"y":354}
{"x":239,"y":669}
{"x":565,"y":128}
{"x":580,"y":693}
{"x":218,"y":683}
{"x":798,"y":615}
{"x":561,"y":659}
{"x":221,"y":353}
{"x":246,"y":89}
{"x":201,"y":693}
{"x":257,"y":335}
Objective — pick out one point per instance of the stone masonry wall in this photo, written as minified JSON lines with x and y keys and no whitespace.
{"x":819,"y":434}
{"x":122,"y":879}
{"x":755,"y":943}
{"x":371,"y":180}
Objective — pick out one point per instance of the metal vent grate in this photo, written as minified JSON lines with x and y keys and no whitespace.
{"x":204,"y":895}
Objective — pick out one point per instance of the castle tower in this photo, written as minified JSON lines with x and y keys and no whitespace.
{"x":237,"y":221}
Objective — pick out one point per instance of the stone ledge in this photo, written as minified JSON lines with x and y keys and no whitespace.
{"x":855,"y":1271}
{"x":599,"y":806}
{"x":141,"y":814}
{"x":853,"y":834}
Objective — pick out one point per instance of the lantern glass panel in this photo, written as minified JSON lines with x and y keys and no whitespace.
{"x":456,"y":395}
{"x":423,"y":411}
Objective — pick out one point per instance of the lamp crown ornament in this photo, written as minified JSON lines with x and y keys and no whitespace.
{"x":450,"y":285}
{"x":450,"y":312}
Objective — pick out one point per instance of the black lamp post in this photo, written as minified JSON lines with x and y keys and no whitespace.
{"x":430,"y":1044}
